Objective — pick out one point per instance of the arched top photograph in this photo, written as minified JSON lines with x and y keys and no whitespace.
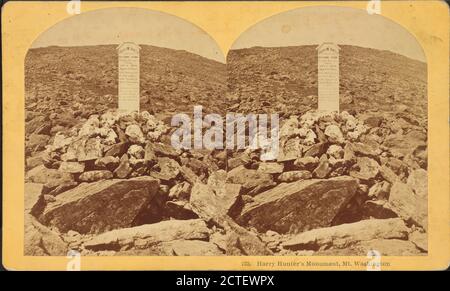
{"x":309,"y":139}
{"x":381,"y":64}
{"x":179,"y":64}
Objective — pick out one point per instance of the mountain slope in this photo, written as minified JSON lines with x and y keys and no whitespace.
{"x":284,"y":79}
{"x":170,"y":79}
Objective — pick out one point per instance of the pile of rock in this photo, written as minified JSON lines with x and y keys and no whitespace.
{"x":341,"y":184}
{"x":119,"y":172}
{"x":104,"y":147}
{"x":334,"y":169}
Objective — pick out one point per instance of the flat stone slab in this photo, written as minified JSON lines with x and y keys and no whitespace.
{"x":143,"y":236}
{"x":341,"y":236}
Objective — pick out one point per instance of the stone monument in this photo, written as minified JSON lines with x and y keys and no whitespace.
{"x":128,"y":77}
{"x":328,"y":75}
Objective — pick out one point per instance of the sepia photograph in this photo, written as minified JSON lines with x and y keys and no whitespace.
{"x":103,"y":176}
{"x":351,"y":92}
{"x":225,"y":136}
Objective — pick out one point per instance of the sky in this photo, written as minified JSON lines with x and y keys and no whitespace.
{"x":142,"y":26}
{"x":314,"y":25}
{"x":304,"y":26}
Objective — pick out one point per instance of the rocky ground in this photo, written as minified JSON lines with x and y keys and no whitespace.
{"x":108,"y":184}
{"x":66,"y":84}
{"x":284,"y":80}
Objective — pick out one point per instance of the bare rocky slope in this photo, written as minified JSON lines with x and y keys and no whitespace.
{"x":108,"y":184}
{"x":72,"y":81}
{"x":284,"y":79}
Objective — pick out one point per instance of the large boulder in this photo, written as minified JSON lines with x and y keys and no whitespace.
{"x":343,"y":235}
{"x":100,"y":206}
{"x":300,"y":205}
{"x":147,"y":235}
{"x":215,"y":205}
{"x":41,"y":241}
{"x":409,"y":206}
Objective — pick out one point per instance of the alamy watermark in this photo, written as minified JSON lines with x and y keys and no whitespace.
{"x":73,"y":7}
{"x":74,"y":263}
{"x":374,"y":7}
{"x":236,"y":132}
{"x":375,"y":263}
